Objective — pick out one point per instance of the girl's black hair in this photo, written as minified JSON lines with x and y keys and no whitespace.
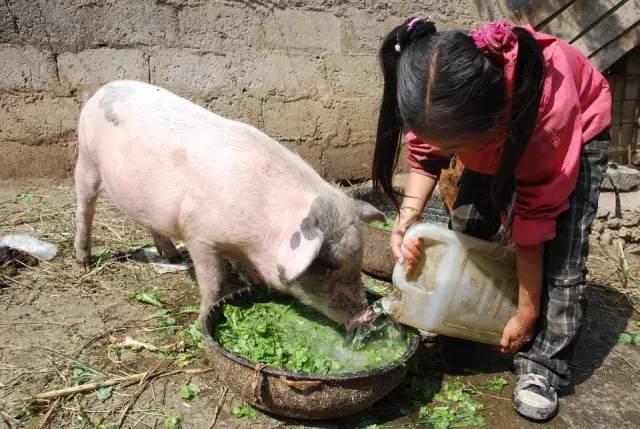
{"x":441,"y":86}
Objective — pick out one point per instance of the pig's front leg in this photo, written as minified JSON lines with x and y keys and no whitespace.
{"x":166,"y":247}
{"x":208,"y":267}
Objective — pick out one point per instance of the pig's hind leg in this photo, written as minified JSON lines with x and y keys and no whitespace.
{"x":87,"y":183}
{"x":166,"y":247}
{"x":209,"y":273}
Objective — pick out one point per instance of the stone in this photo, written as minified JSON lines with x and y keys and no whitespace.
{"x":315,"y":32}
{"x":348,"y":163}
{"x":92,"y":68}
{"x":626,"y":179}
{"x":38,"y":119}
{"x":630,"y":218}
{"x":602,"y":213}
{"x":355,"y":75}
{"x":614,"y":223}
{"x":192,"y":73}
{"x":26,"y":68}
{"x":624,"y":233}
{"x":298,"y":120}
{"x":607,"y":237}
{"x":597,"y":227}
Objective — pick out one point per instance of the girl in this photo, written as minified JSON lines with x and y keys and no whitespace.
{"x":528,"y":116}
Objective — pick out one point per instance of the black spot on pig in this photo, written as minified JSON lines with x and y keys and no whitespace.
{"x":295,"y":240}
{"x":112,"y":94}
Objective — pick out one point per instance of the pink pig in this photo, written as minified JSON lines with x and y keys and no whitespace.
{"x":226,"y":190}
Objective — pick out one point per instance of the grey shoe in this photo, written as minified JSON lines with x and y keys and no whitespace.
{"x":535,"y":398}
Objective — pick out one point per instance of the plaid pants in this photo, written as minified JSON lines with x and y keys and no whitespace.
{"x":563,"y":299}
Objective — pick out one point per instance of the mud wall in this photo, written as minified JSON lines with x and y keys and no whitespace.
{"x":303,"y":71}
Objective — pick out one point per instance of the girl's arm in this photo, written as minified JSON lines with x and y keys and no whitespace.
{"x":418,"y":190}
{"x":521,"y":327}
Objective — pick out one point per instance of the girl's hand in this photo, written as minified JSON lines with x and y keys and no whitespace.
{"x":518,"y":332}
{"x":410,"y":250}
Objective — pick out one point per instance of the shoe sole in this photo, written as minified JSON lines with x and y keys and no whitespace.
{"x":534,"y":413}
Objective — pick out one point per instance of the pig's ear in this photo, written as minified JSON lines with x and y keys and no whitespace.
{"x":369,"y":213}
{"x":297,"y":253}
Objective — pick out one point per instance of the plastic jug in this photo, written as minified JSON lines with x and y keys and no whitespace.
{"x":463,"y":287}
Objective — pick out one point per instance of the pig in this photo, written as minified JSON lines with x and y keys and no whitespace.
{"x":226,"y":190}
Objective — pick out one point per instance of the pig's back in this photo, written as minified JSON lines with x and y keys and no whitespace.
{"x":161,"y":156}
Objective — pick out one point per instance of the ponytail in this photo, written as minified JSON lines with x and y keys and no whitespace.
{"x":390,"y":125}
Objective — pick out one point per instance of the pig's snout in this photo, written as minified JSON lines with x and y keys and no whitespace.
{"x":362,"y":318}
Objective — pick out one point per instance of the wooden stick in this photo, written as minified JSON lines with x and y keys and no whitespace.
{"x":128,"y":380}
{"x":216,"y":412}
{"x":43,"y":423}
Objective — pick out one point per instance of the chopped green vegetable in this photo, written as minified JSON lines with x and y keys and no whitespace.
{"x":636,"y":340}
{"x":291,"y":336}
{"x":494,"y":385}
{"x":26,"y":197}
{"x":173,"y":422}
{"x":625,"y":338}
{"x":104,"y":393}
{"x":147,"y":297}
{"x":387,"y":225}
{"x":454,"y":407}
{"x":194,"y":309}
{"x":240,"y":411}
{"x":189,"y":391}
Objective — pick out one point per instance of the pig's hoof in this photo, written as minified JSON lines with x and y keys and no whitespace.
{"x":84,"y":261}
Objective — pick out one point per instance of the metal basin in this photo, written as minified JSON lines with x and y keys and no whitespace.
{"x":297,"y":394}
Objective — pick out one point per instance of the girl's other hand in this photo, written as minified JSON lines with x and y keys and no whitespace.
{"x":408,"y":251}
{"x":518,"y":332}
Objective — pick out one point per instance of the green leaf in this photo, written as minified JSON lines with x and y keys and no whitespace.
{"x":147,"y":297}
{"x":636,"y":340}
{"x":240,"y":411}
{"x":374,"y":426}
{"x":173,"y":422}
{"x":625,"y":338}
{"x":159,"y":313}
{"x":189,"y":391}
{"x":494,"y":385}
{"x":193,"y":309}
{"x":104,"y":393}
{"x":26,"y":197}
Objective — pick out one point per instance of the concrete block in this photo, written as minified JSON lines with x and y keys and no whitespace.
{"x":26,"y":68}
{"x":239,"y":108}
{"x":281,"y":74}
{"x":626,"y":179}
{"x":216,"y":26}
{"x":50,"y":161}
{"x":295,"y":29}
{"x":310,"y":152}
{"x":627,"y":132}
{"x":74,"y":26}
{"x":348,"y":162}
{"x":302,"y":119}
{"x":37,"y":119}
{"x":357,"y":121}
{"x":191,"y":73}
{"x":362,"y":32}
{"x":354,"y":75}
{"x":94,"y":67}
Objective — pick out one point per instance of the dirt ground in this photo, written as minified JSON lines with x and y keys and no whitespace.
{"x":61,"y":326}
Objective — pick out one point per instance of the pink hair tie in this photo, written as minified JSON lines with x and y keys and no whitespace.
{"x":497,"y":40}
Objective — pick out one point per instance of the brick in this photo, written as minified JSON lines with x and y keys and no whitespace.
{"x":216,"y":26}
{"x":348,"y":162}
{"x":35,"y":120}
{"x":626,"y":179}
{"x":302,"y":119}
{"x":282,"y":75}
{"x":191,"y":73}
{"x":632,"y":88}
{"x":310,"y":152}
{"x":362,"y":32}
{"x":354,"y":75}
{"x":239,"y":108}
{"x":51,"y":161}
{"x":94,"y":67}
{"x":23,"y":22}
{"x":294,"y":29}
{"x":630,"y":111}
{"x":616,"y":111}
{"x":627,"y":132}
{"x":75,"y":26}
{"x":9,"y":31}
{"x":357,"y":121}
{"x":617,"y":85}
{"x":26,"y":68}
